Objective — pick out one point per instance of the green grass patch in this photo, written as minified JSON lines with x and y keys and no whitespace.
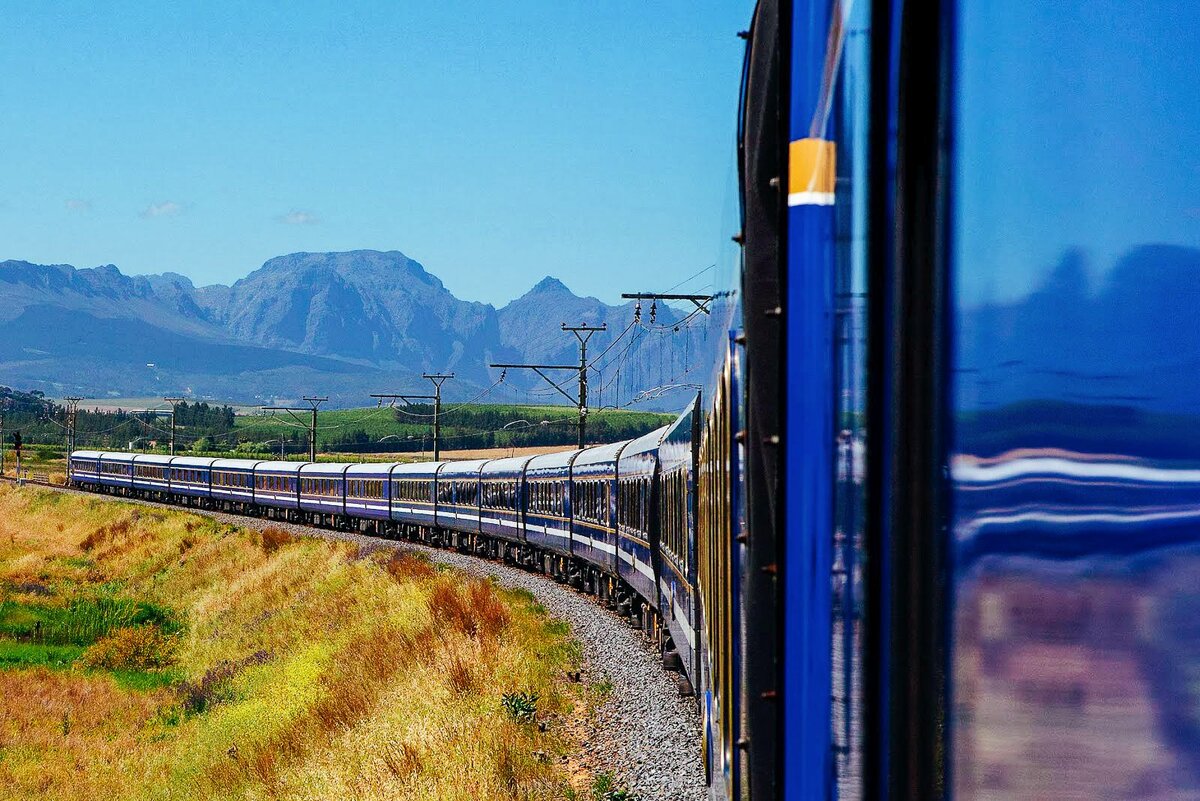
{"x":145,"y":680}
{"x":82,"y":621}
{"x":24,"y":655}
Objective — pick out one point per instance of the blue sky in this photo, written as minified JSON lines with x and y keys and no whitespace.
{"x":494,"y":142}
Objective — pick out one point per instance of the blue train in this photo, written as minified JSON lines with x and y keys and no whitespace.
{"x":932,"y":529}
{"x":593,"y":517}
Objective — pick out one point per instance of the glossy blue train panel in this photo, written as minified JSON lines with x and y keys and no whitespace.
{"x":1075,"y":392}
{"x":458,"y":495}
{"x":190,"y":475}
{"x":277,"y":484}
{"x":548,"y":507}
{"x":594,"y":505}
{"x":503,"y":498}
{"x":368,"y":490}
{"x":323,"y":487}
{"x":412,"y":493}
{"x":637,"y":470}
{"x":233,"y":479}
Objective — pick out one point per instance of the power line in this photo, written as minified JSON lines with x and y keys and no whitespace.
{"x":437,"y":379}
{"x":314,"y":402}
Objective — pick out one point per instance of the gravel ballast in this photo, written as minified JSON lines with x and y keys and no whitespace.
{"x":642,"y":732}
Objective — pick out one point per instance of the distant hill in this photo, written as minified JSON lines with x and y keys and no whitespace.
{"x":342,"y":324}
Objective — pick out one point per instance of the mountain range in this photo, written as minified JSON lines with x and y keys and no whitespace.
{"x":336,"y":324}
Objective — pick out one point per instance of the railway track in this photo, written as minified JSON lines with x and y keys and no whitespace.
{"x":643,"y":732}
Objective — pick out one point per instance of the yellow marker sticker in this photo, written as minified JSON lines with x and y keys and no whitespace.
{"x":812,"y":169}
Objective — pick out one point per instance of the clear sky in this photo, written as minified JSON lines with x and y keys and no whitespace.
{"x":495,"y":142}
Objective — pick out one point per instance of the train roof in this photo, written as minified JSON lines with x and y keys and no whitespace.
{"x":325,"y":468}
{"x":152,"y":458}
{"x":507,"y":465}
{"x":371,"y":469}
{"x":549,"y":461}
{"x":423,"y":469}
{"x":192,"y":461}
{"x":235,"y":464}
{"x":116,"y":456}
{"x":280,"y":467}
{"x":86,"y":454}
{"x":464,"y":468}
{"x":645,"y":443}
{"x":600,"y":454}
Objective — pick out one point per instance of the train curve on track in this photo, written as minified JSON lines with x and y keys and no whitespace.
{"x":643,"y":733}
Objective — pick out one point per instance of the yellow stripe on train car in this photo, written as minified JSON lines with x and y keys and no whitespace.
{"x":812,"y":171}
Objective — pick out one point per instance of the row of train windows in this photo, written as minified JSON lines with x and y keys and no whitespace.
{"x":546,"y":497}
{"x":410,"y":490}
{"x":275,"y":483}
{"x":115,"y":468}
{"x":149,"y":471}
{"x":328,"y":487}
{"x":369,"y":488}
{"x":590,"y":501}
{"x":633,"y":504}
{"x":461,"y":493}
{"x":189,"y":476}
{"x":500,"y":495}
{"x":238,"y":480}
{"x":672,"y":510}
{"x":83,"y":466}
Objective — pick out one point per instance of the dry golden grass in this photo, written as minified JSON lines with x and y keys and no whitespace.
{"x":305,"y":669}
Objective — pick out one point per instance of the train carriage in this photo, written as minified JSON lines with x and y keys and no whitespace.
{"x":548,"y":502}
{"x":637,"y":526}
{"x":677,"y":547}
{"x":116,"y":470}
{"x":368,"y":490}
{"x":276,"y":485}
{"x":412,"y":493}
{"x":84,"y":467}
{"x":151,"y":473}
{"x":190,"y":476}
{"x":233,"y":480}
{"x":458,"y":495}
{"x":502,"y":498}
{"x":323,"y":488}
{"x":594,"y":505}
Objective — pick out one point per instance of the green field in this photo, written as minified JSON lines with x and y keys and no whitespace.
{"x":463,"y":427}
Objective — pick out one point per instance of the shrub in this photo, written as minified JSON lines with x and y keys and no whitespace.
{"x":135,"y":648}
{"x":408,"y":566}
{"x":478,"y":612}
{"x":274,"y":538}
{"x":520,"y":706}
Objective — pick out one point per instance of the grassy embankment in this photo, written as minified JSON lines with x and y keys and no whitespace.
{"x":147,"y":653}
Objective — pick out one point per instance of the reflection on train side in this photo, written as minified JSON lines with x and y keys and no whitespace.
{"x":1076,"y":627}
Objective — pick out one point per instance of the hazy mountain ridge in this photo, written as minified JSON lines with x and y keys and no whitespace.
{"x":345,"y":324}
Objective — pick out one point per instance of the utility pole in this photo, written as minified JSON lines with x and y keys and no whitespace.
{"x":173,"y":401}
{"x":3,"y":406}
{"x":438,"y":379}
{"x":72,"y":412}
{"x":582,"y":333}
{"x":314,"y":402}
